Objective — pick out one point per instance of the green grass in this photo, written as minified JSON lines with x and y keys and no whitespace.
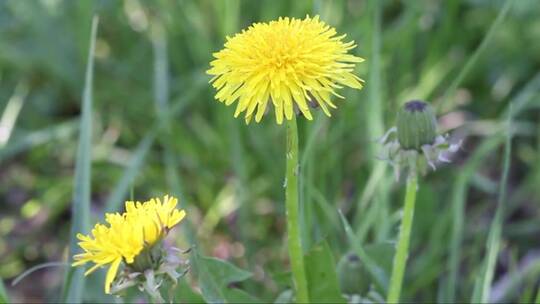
{"x":4,"y":298}
{"x":495,"y":231}
{"x":475,"y":55}
{"x":74,"y":283}
{"x":458,"y":202}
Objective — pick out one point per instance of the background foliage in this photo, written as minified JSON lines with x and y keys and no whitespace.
{"x":156,"y":129}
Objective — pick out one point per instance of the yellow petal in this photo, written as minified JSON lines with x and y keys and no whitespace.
{"x":111,"y":274}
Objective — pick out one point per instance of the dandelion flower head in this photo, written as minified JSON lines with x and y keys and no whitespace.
{"x":126,"y":235}
{"x":287,"y":63}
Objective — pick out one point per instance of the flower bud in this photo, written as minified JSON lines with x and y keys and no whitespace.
{"x":148,"y":258}
{"x":353,"y":279}
{"x":416,"y":125}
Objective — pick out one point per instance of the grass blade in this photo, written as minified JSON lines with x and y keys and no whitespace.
{"x":74,"y":281}
{"x":378,"y":274}
{"x":3,"y":294}
{"x":158,"y":36}
{"x":511,"y":284}
{"x":115,"y":199}
{"x":483,"y":285}
{"x":28,"y":141}
{"x":518,"y":104}
{"x":11,"y":112}
{"x":36,"y":268}
{"x":121,"y":189}
{"x":474,"y":58}
{"x":459,"y":197}
{"x":373,"y":115}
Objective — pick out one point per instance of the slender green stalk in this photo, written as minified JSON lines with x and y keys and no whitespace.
{"x":121,"y":189}
{"x":28,"y":272}
{"x":459,"y":197}
{"x":474,"y":57}
{"x":158,"y":36}
{"x":377,"y":195}
{"x":402,"y":251}
{"x":296,"y":253}
{"x":3,"y":294}
{"x":495,"y":231}
{"x":74,"y":281}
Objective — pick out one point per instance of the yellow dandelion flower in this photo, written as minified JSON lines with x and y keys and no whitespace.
{"x":289,"y":62}
{"x":127,"y":235}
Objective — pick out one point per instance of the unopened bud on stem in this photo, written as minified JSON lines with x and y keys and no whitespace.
{"x":416,"y":125}
{"x":352,"y":276}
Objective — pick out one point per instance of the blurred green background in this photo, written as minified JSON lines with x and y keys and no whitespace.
{"x":470,"y":58}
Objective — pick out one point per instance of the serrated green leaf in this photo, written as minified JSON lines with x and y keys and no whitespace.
{"x":185,"y":294}
{"x":323,"y":285}
{"x":215,"y":275}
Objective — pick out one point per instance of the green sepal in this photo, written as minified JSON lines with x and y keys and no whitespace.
{"x":416,"y":125}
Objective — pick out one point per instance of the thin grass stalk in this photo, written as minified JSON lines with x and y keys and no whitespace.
{"x":402,"y":251}
{"x":73,"y":287}
{"x":496,"y":226}
{"x":161,"y":99}
{"x":294,"y":241}
{"x":30,"y":271}
{"x":373,"y":115}
{"x":459,"y":197}
{"x":519,"y":103}
{"x":230,"y":13}
{"x":57,"y":132}
{"x":4,"y":298}
{"x":443,"y":106}
{"x":378,"y":274}
{"x":375,"y":120}
{"x":121,"y":189}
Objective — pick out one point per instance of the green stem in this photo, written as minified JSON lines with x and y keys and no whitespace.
{"x":402,"y":251}
{"x":296,"y":253}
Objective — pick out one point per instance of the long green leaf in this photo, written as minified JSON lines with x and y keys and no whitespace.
{"x":458,"y":210}
{"x":374,"y":117}
{"x":12,"y":111}
{"x":323,"y":285}
{"x":482,"y":288}
{"x":376,"y":271}
{"x":74,"y":281}
{"x":3,"y":294}
{"x":115,"y":199}
{"x":519,"y":103}
{"x":474,"y":58}
{"x":161,"y":99}
{"x":39,"y":137}
{"x":36,"y":268}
